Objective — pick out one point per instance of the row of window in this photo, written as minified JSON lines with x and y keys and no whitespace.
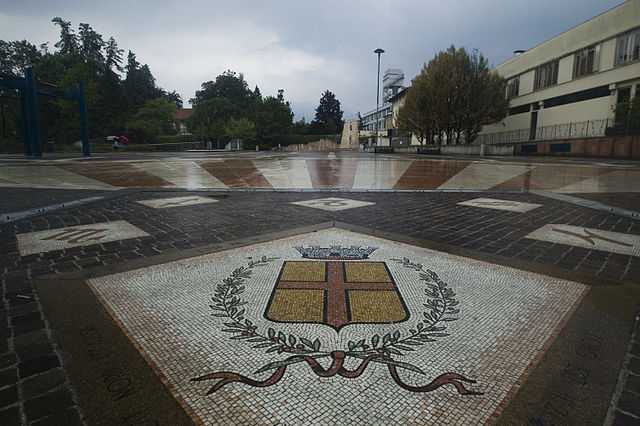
{"x":585,"y":62}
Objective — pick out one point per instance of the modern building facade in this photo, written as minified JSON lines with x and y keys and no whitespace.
{"x":569,"y":85}
{"x":392,"y":84}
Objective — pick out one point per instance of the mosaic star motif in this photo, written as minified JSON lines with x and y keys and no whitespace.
{"x":333,"y":204}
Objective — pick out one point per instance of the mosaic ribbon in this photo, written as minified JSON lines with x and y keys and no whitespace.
{"x":337,"y":367}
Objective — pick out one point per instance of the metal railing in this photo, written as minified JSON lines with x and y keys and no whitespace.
{"x":583,"y":129}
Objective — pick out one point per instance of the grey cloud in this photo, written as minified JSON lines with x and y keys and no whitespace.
{"x":304,"y":47}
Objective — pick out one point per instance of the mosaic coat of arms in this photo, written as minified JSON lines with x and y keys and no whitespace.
{"x":336,"y":286}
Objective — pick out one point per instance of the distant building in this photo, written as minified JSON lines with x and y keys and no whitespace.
{"x":180,"y":120}
{"x":392,"y":84}
{"x":569,"y":85}
{"x":350,"y":134}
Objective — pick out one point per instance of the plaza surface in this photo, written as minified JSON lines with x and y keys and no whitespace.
{"x":315,"y":288}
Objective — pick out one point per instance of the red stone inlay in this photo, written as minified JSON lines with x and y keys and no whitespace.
{"x":429,"y":174}
{"x":236,"y":173}
{"x":116,"y":174}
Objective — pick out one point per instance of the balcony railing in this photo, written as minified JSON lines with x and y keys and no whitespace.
{"x":583,"y":129}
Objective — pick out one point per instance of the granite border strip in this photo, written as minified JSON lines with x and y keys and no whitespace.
{"x":596,"y":205}
{"x":623,"y":379}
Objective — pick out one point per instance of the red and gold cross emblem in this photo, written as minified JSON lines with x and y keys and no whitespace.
{"x":336,"y":293}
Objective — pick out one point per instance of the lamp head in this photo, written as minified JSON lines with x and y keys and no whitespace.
{"x":378,"y":51}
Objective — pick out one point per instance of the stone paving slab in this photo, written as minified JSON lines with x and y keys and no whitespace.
{"x":433,"y":217}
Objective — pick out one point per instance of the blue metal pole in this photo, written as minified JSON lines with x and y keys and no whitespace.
{"x":32,"y":112}
{"x":84,"y":122}
{"x":24,"y":121}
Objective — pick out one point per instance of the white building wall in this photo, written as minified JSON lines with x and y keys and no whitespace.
{"x":607,"y":25}
{"x":593,"y":109}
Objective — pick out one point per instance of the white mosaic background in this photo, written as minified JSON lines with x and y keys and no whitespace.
{"x":506,"y":317}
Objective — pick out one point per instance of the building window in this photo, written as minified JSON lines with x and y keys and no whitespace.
{"x":513,"y":87}
{"x":546,"y":75}
{"x":628,"y":48}
{"x":586,"y":61}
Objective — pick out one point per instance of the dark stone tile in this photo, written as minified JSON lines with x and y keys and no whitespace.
{"x":68,"y":417}
{"x":630,"y":403}
{"x":33,"y":338}
{"x":633,"y":383}
{"x":36,"y":385}
{"x":8,"y":396}
{"x":8,"y":377}
{"x":54,"y":403}
{"x":27,"y":352}
{"x":10,"y":417}
{"x":28,"y":327}
{"x":37,"y":365}
{"x":8,"y":360}
{"x":634,"y":365}
{"x":622,"y":419}
{"x":25,"y":318}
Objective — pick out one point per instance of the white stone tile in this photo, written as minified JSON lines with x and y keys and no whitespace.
{"x":379,"y":174}
{"x":333,"y":204}
{"x":73,"y":236}
{"x":505,"y":320}
{"x":183,"y":174}
{"x":615,"y":181}
{"x":47,"y":176}
{"x":597,"y":239}
{"x":165,"y":203}
{"x":496,"y":204}
{"x":483,"y":175}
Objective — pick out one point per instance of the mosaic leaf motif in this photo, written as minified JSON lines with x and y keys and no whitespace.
{"x":440,"y":304}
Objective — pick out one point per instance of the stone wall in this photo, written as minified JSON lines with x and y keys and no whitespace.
{"x":607,"y":147}
{"x":323,"y":145}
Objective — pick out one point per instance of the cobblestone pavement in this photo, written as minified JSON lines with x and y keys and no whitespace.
{"x":34,"y":388}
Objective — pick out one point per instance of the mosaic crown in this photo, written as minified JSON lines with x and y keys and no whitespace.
{"x":352,"y":252}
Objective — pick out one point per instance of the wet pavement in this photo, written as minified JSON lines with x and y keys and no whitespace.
{"x":483,"y":302}
{"x":357,"y":171}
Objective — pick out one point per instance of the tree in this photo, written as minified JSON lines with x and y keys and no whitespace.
{"x":273,"y":118}
{"x":113,"y":56}
{"x":152,"y":119}
{"x":241,"y":128}
{"x":91,"y":44}
{"x":328,"y":117}
{"x":80,"y":55}
{"x":68,"y":43}
{"x":227,"y":98}
{"x":453,"y":97}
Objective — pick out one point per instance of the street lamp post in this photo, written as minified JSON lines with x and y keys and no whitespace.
{"x":379,"y":52}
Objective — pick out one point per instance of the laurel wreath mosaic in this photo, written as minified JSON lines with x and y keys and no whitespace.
{"x":473,"y":329}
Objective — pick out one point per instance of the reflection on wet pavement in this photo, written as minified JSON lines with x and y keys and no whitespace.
{"x":293,"y":172}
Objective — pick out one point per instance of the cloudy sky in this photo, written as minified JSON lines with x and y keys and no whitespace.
{"x":303,"y":46}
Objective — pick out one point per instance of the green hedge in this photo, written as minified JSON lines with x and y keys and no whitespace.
{"x":176,"y":139}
